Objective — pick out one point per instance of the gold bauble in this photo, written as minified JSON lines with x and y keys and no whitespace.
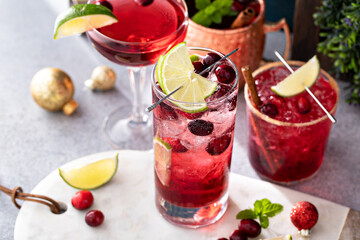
{"x":53,"y":90}
{"x":102,"y":78}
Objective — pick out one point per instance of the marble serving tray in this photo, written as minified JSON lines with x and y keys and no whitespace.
{"x":127,"y":202}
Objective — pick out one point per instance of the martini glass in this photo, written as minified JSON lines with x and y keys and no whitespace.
{"x":146,"y":30}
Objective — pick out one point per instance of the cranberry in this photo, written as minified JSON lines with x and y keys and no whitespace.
{"x":238,"y":7}
{"x":304,"y":215}
{"x":237,"y":235}
{"x":250,"y":228}
{"x":225,"y":73}
{"x":94,"y":218}
{"x":200,"y":127}
{"x":175,"y":144}
{"x":218,"y":145}
{"x":211,"y":58}
{"x":191,"y":116}
{"x":222,"y":239}
{"x":105,"y":4}
{"x":82,"y":200}
{"x":277,"y":101}
{"x":143,"y":2}
{"x":255,"y":6}
{"x":303,"y":105}
{"x":269,"y":109}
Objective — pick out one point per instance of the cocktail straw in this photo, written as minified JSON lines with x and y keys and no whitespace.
{"x":152,"y":106}
{"x":331,"y":117}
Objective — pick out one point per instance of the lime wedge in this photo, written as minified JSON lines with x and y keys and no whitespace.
{"x":162,"y":152}
{"x":82,"y":17}
{"x":177,"y":70}
{"x":287,"y":237}
{"x":92,"y":175}
{"x":194,"y":58}
{"x":294,"y":83}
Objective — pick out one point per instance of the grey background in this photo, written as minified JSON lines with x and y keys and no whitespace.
{"x":34,"y":142}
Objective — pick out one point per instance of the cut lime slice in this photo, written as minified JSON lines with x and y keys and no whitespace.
{"x":294,"y":83}
{"x":92,"y":175}
{"x":194,"y":58}
{"x":162,"y":152}
{"x":287,"y":237}
{"x":82,"y":17}
{"x":177,"y":70}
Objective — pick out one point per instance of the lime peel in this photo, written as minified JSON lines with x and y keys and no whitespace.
{"x":162,"y":155}
{"x":92,"y":175}
{"x":293,"y":84}
{"x":81,"y":18}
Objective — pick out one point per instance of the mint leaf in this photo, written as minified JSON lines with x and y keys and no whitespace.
{"x":272,"y":209}
{"x":202,"y":19}
{"x":264,"y":221}
{"x":265,"y":202}
{"x":216,"y":18}
{"x":202,"y":4}
{"x":258,"y":207}
{"x":246,"y":214}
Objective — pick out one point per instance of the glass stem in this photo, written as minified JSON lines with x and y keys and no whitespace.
{"x":137,"y":81}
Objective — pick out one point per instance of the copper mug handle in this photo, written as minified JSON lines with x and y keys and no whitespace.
{"x":276,"y":27}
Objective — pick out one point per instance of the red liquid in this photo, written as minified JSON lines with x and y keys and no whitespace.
{"x":289,"y":153}
{"x":142,"y":33}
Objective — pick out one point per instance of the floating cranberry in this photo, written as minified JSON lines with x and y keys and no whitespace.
{"x":269,"y":109}
{"x":218,"y":145}
{"x":211,"y":58}
{"x":303,"y":105}
{"x":82,"y":200}
{"x":200,"y":127}
{"x":237,"y":235}
{"x":175,"y":144}
{"x":304,"y":215}
{"x":250,"y":228}
{"x":94,"y":218}
{"x":277,"y":101}
{"x":225,"y":73}
{"x":105,"y":4}
{"x":144,"y":2}
{"x":199,"y":67}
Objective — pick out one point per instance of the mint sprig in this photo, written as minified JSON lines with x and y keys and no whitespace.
{"x":263,"y":209}
{"x":212,"y":12}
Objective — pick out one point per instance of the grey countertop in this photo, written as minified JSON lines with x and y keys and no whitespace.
{"x":34,"y":142}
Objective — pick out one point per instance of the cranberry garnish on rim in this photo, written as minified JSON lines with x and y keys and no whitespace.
{"x":250,"y":228}
{"x":144,"y":2}
{"x":211,"y":58}
{"x":269,"y":109}
{"x":200,"y":127}
{"x":105,"y":4}
{"x":225,"y":74}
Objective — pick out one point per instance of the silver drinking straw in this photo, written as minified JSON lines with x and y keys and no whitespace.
{"x":306,"y":88}
{"x":152,"y":106}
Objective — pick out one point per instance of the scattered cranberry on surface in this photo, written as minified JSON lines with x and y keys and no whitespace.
{"x":304,"y":105}
{"x":175,"y":144}
{"x":250,"y":228}
{"x":269,"y":109}
{"x":144,"y":2}
{"x":94,"y":218}
{"x":225,"y":73}
{"x":211,"y":58}
{"x":82,"y":200}
{"x":237,"y":235}
{"x":200,"y":127}
{"x":304,"y":215}
{"x":105,"y":4}
{"x":218,"y":145}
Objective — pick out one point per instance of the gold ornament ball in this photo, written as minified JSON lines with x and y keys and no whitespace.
{"x":102,"y":78}
{"x":53,"y":90}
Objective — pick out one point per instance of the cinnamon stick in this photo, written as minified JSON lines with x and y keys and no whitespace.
{"x":243,"y":18}
{"x":251,"y":85}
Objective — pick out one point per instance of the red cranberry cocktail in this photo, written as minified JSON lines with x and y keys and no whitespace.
{"x":288,"y":135}
{"x":192,"y":189}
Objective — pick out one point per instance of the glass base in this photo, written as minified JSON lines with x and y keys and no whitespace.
{"x":124,"y":132}
{"x":192,"y":217}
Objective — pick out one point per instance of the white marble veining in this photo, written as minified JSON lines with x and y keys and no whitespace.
{"x":128,"y":204}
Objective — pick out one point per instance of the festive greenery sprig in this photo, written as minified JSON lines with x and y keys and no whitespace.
{"x":339,"y":22}
{"x":263,"y":209}
{"x":212,"y":12}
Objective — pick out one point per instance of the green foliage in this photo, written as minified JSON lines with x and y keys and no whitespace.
{"x":263,"y":209}
{"x":212,"y":12}
{"x":339,"y":22}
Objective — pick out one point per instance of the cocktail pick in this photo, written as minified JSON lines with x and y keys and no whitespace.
{"x":331,"y":117}
{"x":153,"y":106}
